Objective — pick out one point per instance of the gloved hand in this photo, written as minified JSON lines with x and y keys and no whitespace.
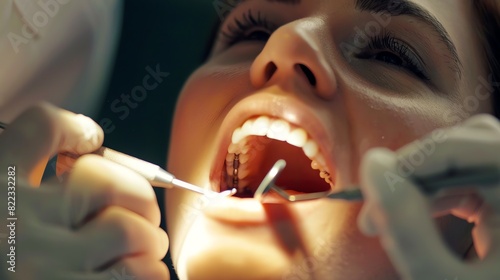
{"x":397,"y":212}
{"x":101,"y":223}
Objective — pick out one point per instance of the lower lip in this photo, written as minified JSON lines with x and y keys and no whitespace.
{"x":249,"y":211}
{"x":236,"y":211}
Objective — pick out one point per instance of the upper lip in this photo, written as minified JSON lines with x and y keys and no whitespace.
{"x":287,"y":107}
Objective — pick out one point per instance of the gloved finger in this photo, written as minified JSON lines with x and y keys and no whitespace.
{"x":136,"y":267}
{"x":54,"y":253}
{"x":96,"y":183}
{"x":476,"y":143}
{"x":463,"y":205}
{"x":492,"y":197}
{"x":129,"y":268}
{"x":41,"y":204}
{"x":486,"y":233}
{"x":486,"y":237}
{"x":481,"y":207}
{"x":365,"y":223}
{"x":401,"y":217}
{"x":39,"y":244}
{"x":118,"y":232}
{"x":483,"y":121}
{"x":42,"y":131}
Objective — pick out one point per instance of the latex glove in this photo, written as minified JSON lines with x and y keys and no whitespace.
{"x":102,"y":223}
{"x":397,"y":212}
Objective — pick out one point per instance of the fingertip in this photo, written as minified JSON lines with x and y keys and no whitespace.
{"x":378,"y":176}
{"x":375,"y":158}
{"x":483,"y":121}
{"x":164,"y":243}
{"x":71,"y":132}
{"x":365,"y":222}
{"x":87,"y":136}
{"x":42,"y":131}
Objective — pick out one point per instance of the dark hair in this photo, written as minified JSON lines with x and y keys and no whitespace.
{"x":488,"y":14}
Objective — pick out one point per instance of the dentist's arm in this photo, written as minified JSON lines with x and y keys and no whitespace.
{"x":397,"y":212}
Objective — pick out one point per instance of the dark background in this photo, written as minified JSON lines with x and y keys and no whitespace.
{"x":173,"y":34}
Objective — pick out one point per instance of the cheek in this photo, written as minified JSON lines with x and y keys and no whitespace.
{"x":208,"y":92}
{"x":393,"y":121}
{"x":199,"y":101}
{"x":202,"y":105}
{"x":190,"y":133}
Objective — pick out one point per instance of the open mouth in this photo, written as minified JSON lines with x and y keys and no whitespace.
{"x":262,"y":140}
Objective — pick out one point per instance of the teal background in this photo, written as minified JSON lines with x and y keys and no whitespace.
{"x":173,"y":34}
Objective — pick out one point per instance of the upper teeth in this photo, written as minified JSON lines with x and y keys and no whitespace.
{"x":277,"y":129}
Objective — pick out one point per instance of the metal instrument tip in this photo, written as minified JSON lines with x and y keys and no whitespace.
{"x":268,"y":182}
{"x":228,"y":193}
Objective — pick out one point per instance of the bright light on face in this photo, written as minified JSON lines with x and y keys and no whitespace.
{"x":316,"y":83}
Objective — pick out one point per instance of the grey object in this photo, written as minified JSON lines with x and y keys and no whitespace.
{"x":454,"y":178}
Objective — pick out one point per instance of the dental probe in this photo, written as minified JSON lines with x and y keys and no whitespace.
{"x":455,"y":178}
{"x":155,"y":175}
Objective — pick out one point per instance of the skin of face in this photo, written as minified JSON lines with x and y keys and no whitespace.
{"x":355,"y":104}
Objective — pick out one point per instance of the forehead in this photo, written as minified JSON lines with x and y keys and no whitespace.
{"x":460,"y":22}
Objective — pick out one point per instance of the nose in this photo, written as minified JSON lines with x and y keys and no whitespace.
{"x":297,"y":50}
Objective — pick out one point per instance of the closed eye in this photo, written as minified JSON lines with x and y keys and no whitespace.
{"x":389,"y":50}
{"x":249,"y":27}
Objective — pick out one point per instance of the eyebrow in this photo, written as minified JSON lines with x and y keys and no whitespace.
{"x":405,"y":7}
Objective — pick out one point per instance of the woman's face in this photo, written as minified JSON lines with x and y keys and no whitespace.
{"x":316,"y":83}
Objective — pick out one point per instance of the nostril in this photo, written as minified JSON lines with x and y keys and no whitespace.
{"x":309,"y":74}
{"x":270,"y":70}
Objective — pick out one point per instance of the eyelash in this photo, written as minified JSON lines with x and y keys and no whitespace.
{"x":238,"y":30}
{"x":248,"y":23}
{"x":390,"y":43}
